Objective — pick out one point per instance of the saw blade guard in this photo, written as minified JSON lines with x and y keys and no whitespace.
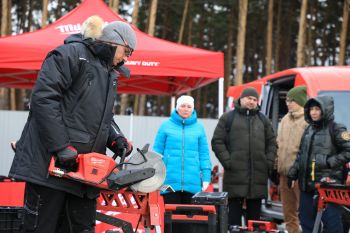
{"x":153,"y":160}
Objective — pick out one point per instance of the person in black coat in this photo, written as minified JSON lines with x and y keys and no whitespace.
{"x":324,"y":150}
{"x":70,"y":114}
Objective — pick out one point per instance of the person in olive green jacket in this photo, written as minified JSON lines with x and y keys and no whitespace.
{"x":246,"y":148}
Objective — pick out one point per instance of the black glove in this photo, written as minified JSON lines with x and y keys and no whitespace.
{"x":274,"y":176}
{"x":290,"y":182}
{"x":67,"y":159}
{"x":119,"y":145}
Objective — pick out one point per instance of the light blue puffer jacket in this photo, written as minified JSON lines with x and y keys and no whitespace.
{"x":183,"y":143}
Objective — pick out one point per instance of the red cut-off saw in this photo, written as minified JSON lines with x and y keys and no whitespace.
{"x":143,"y":172}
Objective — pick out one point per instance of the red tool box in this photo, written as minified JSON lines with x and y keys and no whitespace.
{"x":192,"y":218}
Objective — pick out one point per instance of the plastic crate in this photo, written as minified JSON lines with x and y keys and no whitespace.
{"x":193,"y":218}
{"x":10,"y":219}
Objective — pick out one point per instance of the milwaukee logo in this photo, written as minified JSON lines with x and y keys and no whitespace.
{"x":69,"y":28}
{"x":97,"y":161}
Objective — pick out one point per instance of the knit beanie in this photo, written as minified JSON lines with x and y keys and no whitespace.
{"x":185,"y":99}
{"x":298,"y":94}
{"x":249,"y":91}
{"x":120,"y":33}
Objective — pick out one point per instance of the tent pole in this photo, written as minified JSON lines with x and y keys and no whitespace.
{"x":220,"y":112}
{"x":221,"y":97}
{"x":172,"y":103}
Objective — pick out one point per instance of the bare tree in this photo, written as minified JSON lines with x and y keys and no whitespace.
{"x":124,"y":98}
{"x":44,"y":14}
{"x":242,"y":22}
{"x":150,"y":31}
{"x":229,"y":52}
{"x":183,"y":20}
{"x":269,"y":38}
{"x":135,"y":12}
{"x":301,"y":34}
{"x":344,"y":32}
{"x":114,"y":5}
{"x":4,"y":92}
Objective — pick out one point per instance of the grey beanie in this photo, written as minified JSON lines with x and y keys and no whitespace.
{"x":249,"y":91}
{"x":120,"y":33}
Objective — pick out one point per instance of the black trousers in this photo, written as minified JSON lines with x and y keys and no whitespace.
{"x":50,"y":210}
{"x":235,"y":205}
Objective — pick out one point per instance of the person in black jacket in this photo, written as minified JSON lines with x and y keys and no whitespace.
{"x":71,"y":114}
{"x":324,"y":150}
{"x":245,"y":144}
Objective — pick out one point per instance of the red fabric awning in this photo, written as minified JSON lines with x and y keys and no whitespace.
{"x":158,"y":67}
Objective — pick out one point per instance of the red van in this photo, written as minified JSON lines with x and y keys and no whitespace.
{"x":332,"y":80}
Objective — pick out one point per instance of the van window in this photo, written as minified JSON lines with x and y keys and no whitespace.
{"x":341,"y":106}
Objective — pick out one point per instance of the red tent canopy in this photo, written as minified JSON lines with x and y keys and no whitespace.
{"x":158,"y":67}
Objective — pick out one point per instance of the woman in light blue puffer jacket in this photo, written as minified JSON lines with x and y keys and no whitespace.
{"x":183,"y":143}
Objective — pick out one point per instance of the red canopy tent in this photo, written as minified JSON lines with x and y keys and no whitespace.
{"x":158,"y":67}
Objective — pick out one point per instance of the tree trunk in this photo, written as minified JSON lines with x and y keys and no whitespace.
{"x":44,"y":14}
{"x":278,"y":35}
{"x":124,"y":98}
{"x":4,"y":17}
{"x":229,"y":53}
{"x":135,"y":12}
{"x":269,"y":39}
{"x":183,"y":20}
{"x":301,"y":35}
{"x":5,"y":12}
{"x":150,"y":31}
{"x":243,"y":5}
{"x":114,"y":5}
{"x":343,"y":34}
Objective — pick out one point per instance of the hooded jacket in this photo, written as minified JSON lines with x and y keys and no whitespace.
{"x":71,"y":104}
{"x":290,"y":131}
{"x":249,"y":156}
{"x":321,"y":154}
{"x":183,"y":144}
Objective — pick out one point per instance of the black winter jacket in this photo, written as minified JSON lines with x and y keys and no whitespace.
{"x":321,"y":154}
{"x":249,"y":156}
{"x":71,"y":104}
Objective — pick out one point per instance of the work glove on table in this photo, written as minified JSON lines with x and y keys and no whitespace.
{"x":67,"y":159}
{"x":120,"y":144}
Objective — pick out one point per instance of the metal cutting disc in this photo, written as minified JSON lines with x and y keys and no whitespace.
{"x":154,"y":160}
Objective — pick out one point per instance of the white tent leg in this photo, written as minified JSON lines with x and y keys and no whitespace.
{"x":221,"y":97}
{"x":172,"y":103}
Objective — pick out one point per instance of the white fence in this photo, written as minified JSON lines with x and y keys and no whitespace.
{"x":142,"y":130}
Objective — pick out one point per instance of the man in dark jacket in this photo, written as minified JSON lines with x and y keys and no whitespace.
{"x":324,"y":150}
{"x":246,"y":147}
{"x":71,"y":114}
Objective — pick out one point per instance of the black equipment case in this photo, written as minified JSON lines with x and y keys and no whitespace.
{"x":220,"y":201}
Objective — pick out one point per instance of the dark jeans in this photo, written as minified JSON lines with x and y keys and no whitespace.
{"x":235,"y":206}
{"x":50,"y":210}
{"x":331,"y":217}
